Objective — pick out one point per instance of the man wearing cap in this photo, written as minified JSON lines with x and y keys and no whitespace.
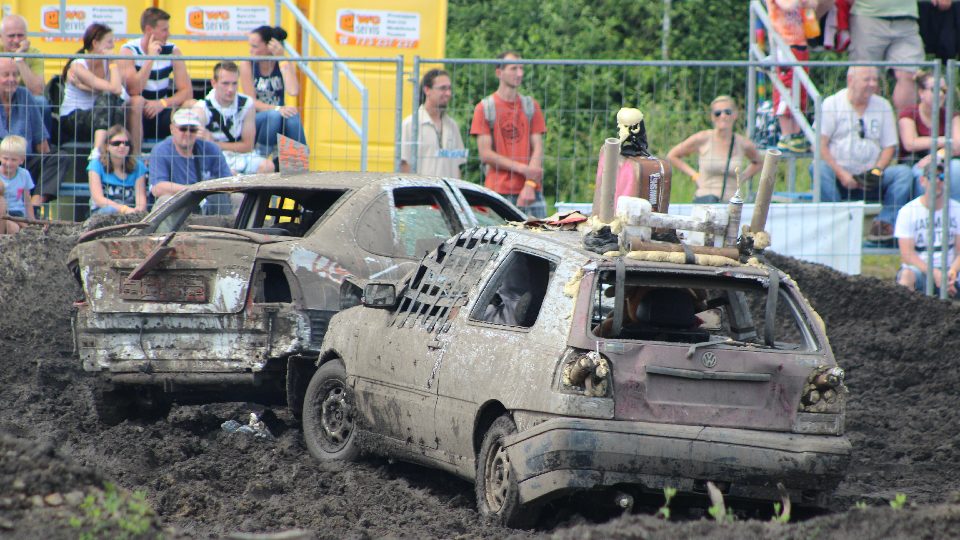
{"x":911,"y":233}
{"x":182,"y":159}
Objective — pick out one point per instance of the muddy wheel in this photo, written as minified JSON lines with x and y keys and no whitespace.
{"x":496,"y":484}
{"x":328,"y":415}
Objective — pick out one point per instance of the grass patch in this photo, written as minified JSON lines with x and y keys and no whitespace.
{"x":880,"y":266}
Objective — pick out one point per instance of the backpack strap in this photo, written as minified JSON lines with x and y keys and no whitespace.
{"x":489,"y":114}
{"x":527,"y":103}
{"x":218,"y":122}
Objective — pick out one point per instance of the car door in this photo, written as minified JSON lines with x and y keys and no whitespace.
{"x":402,"y":351}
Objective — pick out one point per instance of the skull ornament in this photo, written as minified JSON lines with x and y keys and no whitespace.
{"x":632,"y":131}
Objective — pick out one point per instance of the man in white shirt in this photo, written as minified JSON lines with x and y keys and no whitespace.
{"x":911,"y":233}
{"x":230,"y":121}
{"x":440,"y":150}
{"x":858,"y":139}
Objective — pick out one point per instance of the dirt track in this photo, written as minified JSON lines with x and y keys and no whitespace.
{"x":898,"y":349}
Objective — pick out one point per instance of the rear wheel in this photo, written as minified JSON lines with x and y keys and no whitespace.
{"x":498,"y":495}
{"x":328,"y":415}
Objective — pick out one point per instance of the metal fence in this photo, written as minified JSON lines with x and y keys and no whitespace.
{"x":579,"y":99}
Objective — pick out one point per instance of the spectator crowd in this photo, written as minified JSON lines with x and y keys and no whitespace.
{"x":872,"y":149}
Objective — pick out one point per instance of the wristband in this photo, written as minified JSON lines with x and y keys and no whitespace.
{"x":163,"y":102}
{"x":276,"y":108}
{"x":877,"y":171}
{"x":532,"y":184}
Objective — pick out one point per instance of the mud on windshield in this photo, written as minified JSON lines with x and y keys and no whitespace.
{"x":744,"y":311}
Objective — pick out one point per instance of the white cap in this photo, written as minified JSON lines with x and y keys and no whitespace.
{"x":186,"y":117}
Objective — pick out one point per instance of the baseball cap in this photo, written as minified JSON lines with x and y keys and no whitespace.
{"x":186,"y":117}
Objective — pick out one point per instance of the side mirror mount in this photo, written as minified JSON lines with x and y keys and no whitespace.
{"x":379,"y":294}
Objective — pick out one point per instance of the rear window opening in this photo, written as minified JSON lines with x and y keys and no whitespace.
{"x":423,"y":220}
{"x":272,"y":285}
{"x":698,"y":310}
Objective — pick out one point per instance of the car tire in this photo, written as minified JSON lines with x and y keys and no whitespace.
{"x":498,"y":495}
{"x":329,"y":420}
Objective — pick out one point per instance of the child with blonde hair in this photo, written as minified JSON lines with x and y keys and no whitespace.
{"x":6,"y":226}
{"x":17,"y":181}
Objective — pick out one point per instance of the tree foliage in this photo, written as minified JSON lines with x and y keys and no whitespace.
{"x":580,"y":102}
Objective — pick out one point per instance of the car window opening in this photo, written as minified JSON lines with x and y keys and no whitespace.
{"x":272,"y":285}
{"x":424,"y":220}
{"x":699,"y":311}
{"x":516,"y":293}
{"x":488,"y":211}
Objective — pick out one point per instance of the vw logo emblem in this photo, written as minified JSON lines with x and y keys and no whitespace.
{"x":709,"y":359}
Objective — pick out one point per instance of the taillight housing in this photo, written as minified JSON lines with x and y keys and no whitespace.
{"x":822,"y":403}
{"x":585,"y":372}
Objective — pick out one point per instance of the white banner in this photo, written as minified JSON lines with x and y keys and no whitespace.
{"x":825,"y":233}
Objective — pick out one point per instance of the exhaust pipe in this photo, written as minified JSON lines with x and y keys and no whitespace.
{"x":608,"y":187}
{"x":768,"y":177}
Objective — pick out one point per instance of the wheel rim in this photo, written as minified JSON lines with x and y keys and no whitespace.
{"x":336,"y":418}
{"x":497,"y":477}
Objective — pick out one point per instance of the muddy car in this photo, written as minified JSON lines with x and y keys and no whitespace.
{"x":523,"y":362}
{"x":179,"y":309}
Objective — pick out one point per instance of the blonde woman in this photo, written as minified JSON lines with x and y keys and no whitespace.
{"x":118,"y":181}
{"x":720,"y":153}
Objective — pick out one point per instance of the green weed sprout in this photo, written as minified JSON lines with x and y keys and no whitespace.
{"x":898,"y":501}
{"x":114,"y":514}
{"x":718,"y":510}
{"x":861,"y":505}
{"x":668,"y":494}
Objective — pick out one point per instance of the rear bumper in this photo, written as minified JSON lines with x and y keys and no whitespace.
{"x":561,"y":455}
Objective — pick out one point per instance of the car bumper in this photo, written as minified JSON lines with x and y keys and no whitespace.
{"x":561,"y":455}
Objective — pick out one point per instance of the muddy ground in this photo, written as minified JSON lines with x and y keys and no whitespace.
{"x":899,"y":349}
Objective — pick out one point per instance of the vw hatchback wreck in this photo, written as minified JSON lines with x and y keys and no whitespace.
{"x":534,"y":367}
{"x":177,"y":308}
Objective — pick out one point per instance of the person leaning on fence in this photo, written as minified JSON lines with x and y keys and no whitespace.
{"x":911,"y":233}
{"x":153,"y":96}
{"x":887,"y":30}
{"x":721,"y":151}
{"x":916,"y":126}
{"x":182,"y":159}
{"x":93,"y":93}
{"x":440,"y":150}
{"x":786,"y":17}
{"x":16,"y":180}
{"x":509,"y":128}
{"x":20,"y":115}
{"x":269,"y":81}
{"x":118,"y":180}
{"x":228,"y":119}
{"x":858,"y":139}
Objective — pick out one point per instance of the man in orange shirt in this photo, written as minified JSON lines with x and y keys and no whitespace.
{"x":509,"y":128}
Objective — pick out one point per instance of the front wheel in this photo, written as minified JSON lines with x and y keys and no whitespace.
{"x":328,"y":415}
{"x":498,"y":495}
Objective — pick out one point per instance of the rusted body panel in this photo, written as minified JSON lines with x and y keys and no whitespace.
{"x":216,"y":301}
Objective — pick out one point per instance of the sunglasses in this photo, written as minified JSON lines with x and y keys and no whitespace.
{"x":863,"y":129}
{"x":119,"y":143}
{"x":190,"y":129}
{"x":719,"y":112}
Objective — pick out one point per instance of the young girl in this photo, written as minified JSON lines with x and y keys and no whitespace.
{"x":93,"y":91}
{"x":17,"y":181}
{"x":117,"y":181}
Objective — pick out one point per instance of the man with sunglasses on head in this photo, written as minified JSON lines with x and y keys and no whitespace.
{"x":858,"y":139}
{"x":183,"y":159}
{"x":911,"y":233}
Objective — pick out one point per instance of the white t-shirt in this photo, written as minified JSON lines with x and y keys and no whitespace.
{"x":912,"y":222}
{"x":229,"y":118}
{"x":842,"y":125}
{"x":441,"y":150}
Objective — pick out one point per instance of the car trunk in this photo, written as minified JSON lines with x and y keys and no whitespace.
{"x":702,"y":349}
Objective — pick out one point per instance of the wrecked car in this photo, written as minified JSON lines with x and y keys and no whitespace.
{"x":174,"y":308}
{"x":535,"y":368}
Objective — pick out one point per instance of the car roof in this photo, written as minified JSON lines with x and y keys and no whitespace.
{"x":309,"y":180}
{"x":569,"y":245}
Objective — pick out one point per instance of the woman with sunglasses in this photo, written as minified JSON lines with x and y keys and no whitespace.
{"x":118,"y":181}
{"x":915,"y":125}
{"x":721,"y":152}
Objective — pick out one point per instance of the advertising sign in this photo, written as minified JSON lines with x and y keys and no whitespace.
{"x":372,"y":28}
{"x":76,"y":18}
{"x":225,"y":20}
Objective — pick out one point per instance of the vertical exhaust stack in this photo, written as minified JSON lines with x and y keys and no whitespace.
{"x":734,"y":210}
{"x":768,"y":177}
{"x":608,"y":187}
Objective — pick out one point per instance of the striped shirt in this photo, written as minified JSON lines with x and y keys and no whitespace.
{"x":158,"y":85}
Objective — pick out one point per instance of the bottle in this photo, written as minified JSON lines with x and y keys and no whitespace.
{"x":811,"y":26}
